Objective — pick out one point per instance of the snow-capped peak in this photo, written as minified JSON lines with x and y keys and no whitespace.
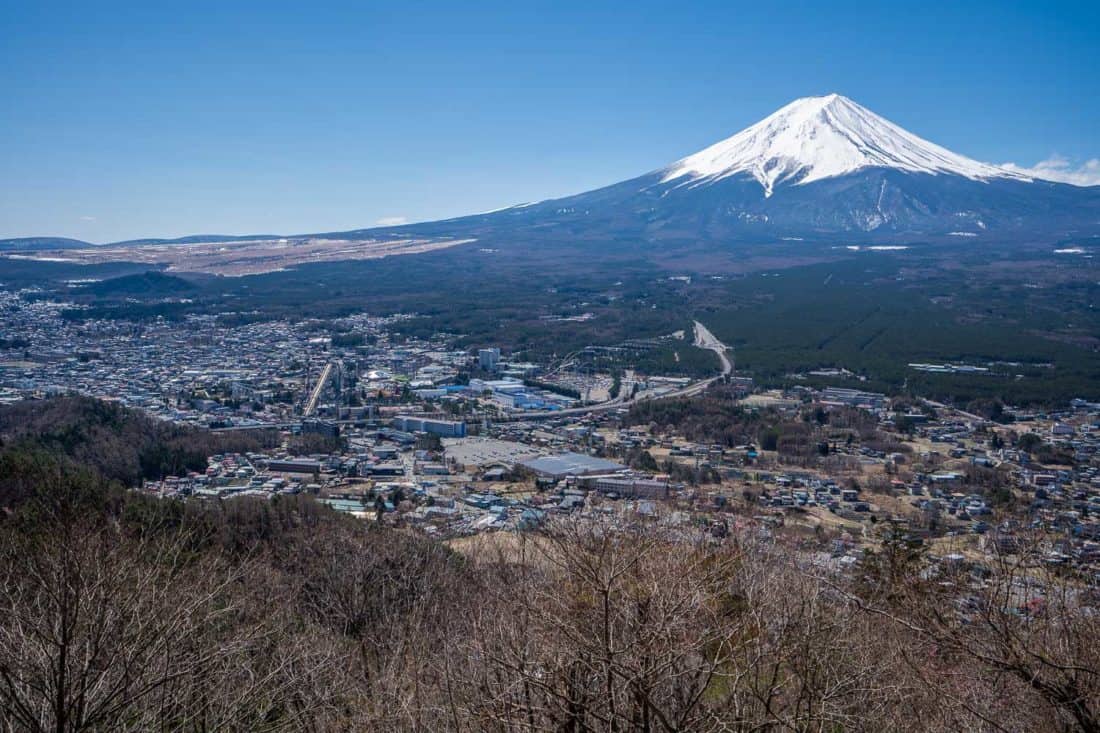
{"x":822,"y":137}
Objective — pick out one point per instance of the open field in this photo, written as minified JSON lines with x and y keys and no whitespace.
{"x":246,"y":257}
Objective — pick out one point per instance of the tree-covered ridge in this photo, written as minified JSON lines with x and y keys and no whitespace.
{"x":118,"y":443}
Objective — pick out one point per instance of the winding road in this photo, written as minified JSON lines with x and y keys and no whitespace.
{"x":704,"y":339}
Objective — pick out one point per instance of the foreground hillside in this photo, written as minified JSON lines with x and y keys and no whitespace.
{"x":127,"y":613}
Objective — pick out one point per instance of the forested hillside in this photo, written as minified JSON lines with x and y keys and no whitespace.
{"x":119,"y":444}
{"x":123,"y":612}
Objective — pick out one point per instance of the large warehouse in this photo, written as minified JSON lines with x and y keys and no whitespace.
{"x":570,"y":464}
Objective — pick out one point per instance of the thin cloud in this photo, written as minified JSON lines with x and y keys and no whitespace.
{"x":1060,"y":169}
{"x":87,"y":218}
{"x":392,"y":221}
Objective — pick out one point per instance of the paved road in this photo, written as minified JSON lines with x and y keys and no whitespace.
{"x":316,"y":396}
{"x":941,"y":406}
{"x":704,"y":339}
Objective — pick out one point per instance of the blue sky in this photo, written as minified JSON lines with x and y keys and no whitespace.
{"x":161,"y":119}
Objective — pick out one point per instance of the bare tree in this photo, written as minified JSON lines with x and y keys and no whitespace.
{"x":102,"y":633}
{"x":1013,"y":642}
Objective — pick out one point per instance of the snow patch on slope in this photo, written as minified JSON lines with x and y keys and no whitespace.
{"x":822,"y":137}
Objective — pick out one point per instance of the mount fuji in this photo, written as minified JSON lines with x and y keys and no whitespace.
{"x":818,"y":168}
{"x":816,"y":138}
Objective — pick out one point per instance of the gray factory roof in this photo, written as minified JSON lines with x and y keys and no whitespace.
{"x":570,"y":464}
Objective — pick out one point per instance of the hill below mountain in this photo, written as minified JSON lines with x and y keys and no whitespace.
{"x":145,"y":283}
{"x":19,"y":244}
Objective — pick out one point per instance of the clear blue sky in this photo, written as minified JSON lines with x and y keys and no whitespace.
{"x":145,"y":118}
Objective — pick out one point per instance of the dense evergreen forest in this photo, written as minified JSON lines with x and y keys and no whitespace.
{"x":1024,"y":313}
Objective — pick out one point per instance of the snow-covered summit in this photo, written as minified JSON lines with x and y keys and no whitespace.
{"x":822,"y":137}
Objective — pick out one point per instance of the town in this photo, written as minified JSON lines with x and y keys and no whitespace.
{"x":686,"y":368}
{"x":471,"y":442}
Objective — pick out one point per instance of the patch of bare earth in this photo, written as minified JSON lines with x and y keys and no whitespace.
{"x":250,"y":257}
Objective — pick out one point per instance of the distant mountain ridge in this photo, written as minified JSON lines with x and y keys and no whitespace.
{"x":18,"y":244}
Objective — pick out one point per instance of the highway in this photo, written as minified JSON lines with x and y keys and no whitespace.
{"x":317,"y":389}
{"x":704,"y":339}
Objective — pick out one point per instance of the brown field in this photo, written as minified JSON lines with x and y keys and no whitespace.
{"x":248,"y":257}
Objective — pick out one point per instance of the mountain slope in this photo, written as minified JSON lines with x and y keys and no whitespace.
{"x":820,"y":167}
{"x":815,"y":138}
{"x":875,"y":203}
